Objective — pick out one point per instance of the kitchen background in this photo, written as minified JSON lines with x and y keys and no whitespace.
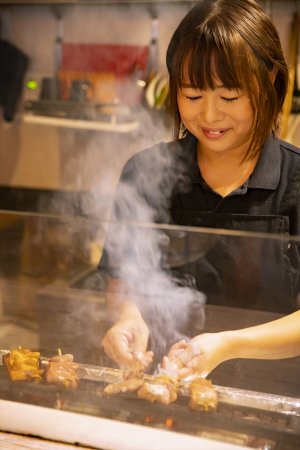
{"x":62,"y":150}
{"x":44,"y":147}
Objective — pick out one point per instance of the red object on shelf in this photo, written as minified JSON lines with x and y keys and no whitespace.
{"x":121,"y":60}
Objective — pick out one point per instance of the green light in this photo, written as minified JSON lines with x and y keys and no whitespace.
{"x":32,"y":85}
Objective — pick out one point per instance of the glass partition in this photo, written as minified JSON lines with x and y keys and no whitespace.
{"x":186,"y":281}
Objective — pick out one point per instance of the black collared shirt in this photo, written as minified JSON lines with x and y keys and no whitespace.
{"x":263,"y":194}
{"x":164,"y":185}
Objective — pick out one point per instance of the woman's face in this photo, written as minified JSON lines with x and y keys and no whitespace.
{"x":221,"y":119}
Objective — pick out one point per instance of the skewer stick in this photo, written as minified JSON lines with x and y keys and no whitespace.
{"x":59,"y":351}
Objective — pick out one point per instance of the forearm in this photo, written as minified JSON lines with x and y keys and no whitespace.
{"x":273,"y":340}
{"x":126,"y":341}
{"x":120,"y":300}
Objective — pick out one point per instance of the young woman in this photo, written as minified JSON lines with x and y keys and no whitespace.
{"x":228,"y":81}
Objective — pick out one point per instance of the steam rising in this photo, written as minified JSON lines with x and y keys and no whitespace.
{"x":141,"y":254}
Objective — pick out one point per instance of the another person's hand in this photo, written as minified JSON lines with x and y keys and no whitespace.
{"x":126,"y":341}
{"x":198,"y":356}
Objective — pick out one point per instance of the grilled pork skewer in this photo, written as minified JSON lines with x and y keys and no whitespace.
{"x":161,"y":389}
{"x":23,"y":364}
{"x":132,"y":379}
{"x":128,"y":385}
{"x":203,"y":395}
{"x":62,"y":370}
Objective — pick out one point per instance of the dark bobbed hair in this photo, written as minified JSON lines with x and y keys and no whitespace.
{"x":235,"y":41}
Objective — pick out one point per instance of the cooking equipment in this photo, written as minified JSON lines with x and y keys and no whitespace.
{"x":51,"y":89}
{"x":261,"y":418}
{"x":258,"y":399}
{"x":79,"y":90}
{"x":100,"y":433}
{"x":238,"y":397}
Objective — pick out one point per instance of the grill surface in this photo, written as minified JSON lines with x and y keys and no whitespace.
{"x":266,"y":424}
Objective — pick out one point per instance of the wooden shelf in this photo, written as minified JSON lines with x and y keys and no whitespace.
{"x":112,"y":126}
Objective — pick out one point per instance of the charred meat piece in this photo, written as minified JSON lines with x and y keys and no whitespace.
{"x":23,"y":364}
{"x":203,"y":395}
{"x":62,"y":370}
{"x":162,"y":389}
{"x":137,"y":371}
{"x":132,"y":380}
{"x":128,"y":385}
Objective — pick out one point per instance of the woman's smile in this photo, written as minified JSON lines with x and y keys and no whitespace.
{"x":214,"y":133}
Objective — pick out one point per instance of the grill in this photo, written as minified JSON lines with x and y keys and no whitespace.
{"x":246,"y":418}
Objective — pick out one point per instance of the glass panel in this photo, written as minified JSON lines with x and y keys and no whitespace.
{"x":186,"y":281}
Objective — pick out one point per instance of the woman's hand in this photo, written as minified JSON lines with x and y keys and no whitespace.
{"x":198,"y":356}
{"x":272,"y":340}
{"x":126,"y":341}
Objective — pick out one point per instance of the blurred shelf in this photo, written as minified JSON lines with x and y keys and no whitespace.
{"x":111,"y":126}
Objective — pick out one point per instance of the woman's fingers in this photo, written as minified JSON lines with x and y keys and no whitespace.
{"x":179,"y":345}
{"x":117,"y":346}
{"x":170,"y":365}
{"x":177,"y":348}
{"x":195,"y":367}
{"x":145,"y":358}
{"x":184,"y":373}
{"x":183,"y":356}
{"x":125,"y":346}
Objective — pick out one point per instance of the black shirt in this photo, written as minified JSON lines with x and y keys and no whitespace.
{"x":164,"y":185}
{"x":263,"y":194}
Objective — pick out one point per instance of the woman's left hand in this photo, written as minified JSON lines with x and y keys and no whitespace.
{"x":198,"y":356}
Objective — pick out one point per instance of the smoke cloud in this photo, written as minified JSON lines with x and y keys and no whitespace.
{"x":143,"y":255}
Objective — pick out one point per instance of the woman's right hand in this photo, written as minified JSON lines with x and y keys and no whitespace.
{"x":126,"y":341}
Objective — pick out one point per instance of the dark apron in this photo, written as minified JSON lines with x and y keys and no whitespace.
{"x":241,"y":271}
